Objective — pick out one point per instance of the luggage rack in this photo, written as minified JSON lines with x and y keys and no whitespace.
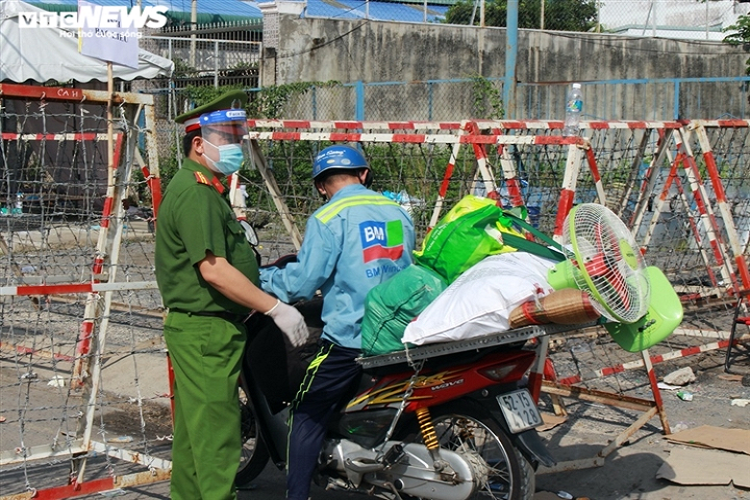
{"x":440,"y":349}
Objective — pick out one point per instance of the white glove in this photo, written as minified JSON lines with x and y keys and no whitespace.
{"x":290,"y":321}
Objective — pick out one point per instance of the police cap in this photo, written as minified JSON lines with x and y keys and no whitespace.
{"x":234,"y":99}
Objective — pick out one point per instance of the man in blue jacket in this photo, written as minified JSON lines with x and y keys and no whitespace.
{"x":357,"y":240}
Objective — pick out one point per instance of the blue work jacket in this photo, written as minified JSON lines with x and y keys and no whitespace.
{"x":357,"y":240}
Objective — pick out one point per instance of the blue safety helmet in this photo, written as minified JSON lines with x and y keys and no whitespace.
{"x":338,"y":157}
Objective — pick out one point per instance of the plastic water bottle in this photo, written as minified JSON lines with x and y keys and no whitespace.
{"x":573,"y":108}
{"x":18,"y":207}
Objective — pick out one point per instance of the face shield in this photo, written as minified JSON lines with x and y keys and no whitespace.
{"x":225,"y":131}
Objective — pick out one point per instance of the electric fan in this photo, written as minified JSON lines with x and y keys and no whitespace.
{"x":603,"y":260}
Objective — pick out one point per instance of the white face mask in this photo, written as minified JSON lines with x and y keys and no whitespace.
{"x":230,"y":158}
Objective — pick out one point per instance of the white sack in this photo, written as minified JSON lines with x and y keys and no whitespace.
{"x":479,"y":302}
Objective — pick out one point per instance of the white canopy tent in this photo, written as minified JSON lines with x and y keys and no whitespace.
{"x":43,"y":54}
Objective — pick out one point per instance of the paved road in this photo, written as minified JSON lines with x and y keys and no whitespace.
{"x":629,"y":473}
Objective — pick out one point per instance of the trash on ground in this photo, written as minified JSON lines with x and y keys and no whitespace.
{"x":685,"y":395}
{"x":57,"y":381}
{"x":120,"y":440}
{"x":730,"y":377}
{"x":740,"y":402}
{"x":700,"y":466}
{"x":683,"y":376}
{"x":668,"y":387}
{"x":708,"y":436}
{"x":551,"y":421}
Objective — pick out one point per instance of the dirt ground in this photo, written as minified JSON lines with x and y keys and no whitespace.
{"x":628,"y":473}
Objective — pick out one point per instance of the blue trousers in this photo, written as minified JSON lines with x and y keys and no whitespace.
{"x":330,"y":378}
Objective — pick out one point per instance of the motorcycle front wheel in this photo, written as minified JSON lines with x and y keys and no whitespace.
{"x":470,"y":430}
{"x":254,"y":455}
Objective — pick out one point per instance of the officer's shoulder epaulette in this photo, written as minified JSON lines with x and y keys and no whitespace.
{"x":202,"y":179}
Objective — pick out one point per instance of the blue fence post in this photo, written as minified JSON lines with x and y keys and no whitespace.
{"x":676,"y":111}
{"x":360,"y":107}
{"x":511,"y":49}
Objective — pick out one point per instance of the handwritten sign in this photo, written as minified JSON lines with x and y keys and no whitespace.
{"x":103,"y":36}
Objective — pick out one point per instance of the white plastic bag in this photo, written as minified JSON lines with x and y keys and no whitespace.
{"x":479,"y":302}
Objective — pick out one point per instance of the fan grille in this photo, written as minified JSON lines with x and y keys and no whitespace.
{"x":607,"y":263}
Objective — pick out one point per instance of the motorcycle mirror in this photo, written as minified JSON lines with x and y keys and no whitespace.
{"x":250,"y":234}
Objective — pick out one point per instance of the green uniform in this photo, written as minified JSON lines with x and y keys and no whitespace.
{"x":205,"y":351}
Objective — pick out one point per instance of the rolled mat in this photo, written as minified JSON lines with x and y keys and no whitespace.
{"x":567,"y":306}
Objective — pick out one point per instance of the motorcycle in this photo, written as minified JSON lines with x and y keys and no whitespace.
{"x":442,"y":427}
{"x":452,"y":420}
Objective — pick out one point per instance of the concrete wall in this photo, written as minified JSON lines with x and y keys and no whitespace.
{"x":347,"y":51}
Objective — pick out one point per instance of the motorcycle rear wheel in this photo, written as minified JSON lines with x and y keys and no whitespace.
{"x":254,"y":455}
{"x":462,"y":425}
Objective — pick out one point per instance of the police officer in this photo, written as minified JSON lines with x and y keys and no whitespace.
{"x":357,"y":240}
{"x":207,"y":275}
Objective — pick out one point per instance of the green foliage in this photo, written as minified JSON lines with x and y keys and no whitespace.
{"x":269,"y":102}
{"x":182,"y":68}
{"x":487,"y":102}
{"x":201,"y":94}
{"x":741,"y":36}
{"x":562,"y":15}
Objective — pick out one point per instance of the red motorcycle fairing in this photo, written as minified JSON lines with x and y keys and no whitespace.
{"x":433,"y":388}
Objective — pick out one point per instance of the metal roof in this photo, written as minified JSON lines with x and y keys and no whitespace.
{"x":229,"y":10}
{"x":208,"y":10}
{"x":376,"y":11}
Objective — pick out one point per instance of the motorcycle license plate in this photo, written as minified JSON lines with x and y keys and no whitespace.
{"x":520,"y":411}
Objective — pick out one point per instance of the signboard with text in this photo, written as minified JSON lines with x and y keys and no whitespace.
{"x":107,"y":35}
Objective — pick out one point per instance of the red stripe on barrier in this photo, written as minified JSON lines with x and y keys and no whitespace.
{"x":345,"y":137}
{"x":570,"y":380}
{"x":349,"y":125}
{"x":296,"y":124}
{"x":75,"y":490}
{"x":28,"y":350}
{"x":637,"y":125}
{"x":563,"y":208}
{"x":418,"y":138}
{"x":592,"y":165}
{"x":733,"y":123}
{"x":612,"y":370}
{"x":690,"y":350}
{"x":106,"y":211}
{"x":84,"y":338}
{"x":446,"y":179}
{"x":53,"y":289}
{"x":744,"y":271}
{"x":713,"y":172}
{"x":98,"y":266}
{"x":554,"y":139}
{"x":514,"y":191}
{"x":36,"y":92}
{"x":286,"y":136}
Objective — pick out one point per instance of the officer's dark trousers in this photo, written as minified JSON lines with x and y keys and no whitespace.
{"x":206,"y":353}
{"x":329,"y":379}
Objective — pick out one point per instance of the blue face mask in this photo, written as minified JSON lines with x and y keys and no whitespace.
{"x":230,"y":158}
